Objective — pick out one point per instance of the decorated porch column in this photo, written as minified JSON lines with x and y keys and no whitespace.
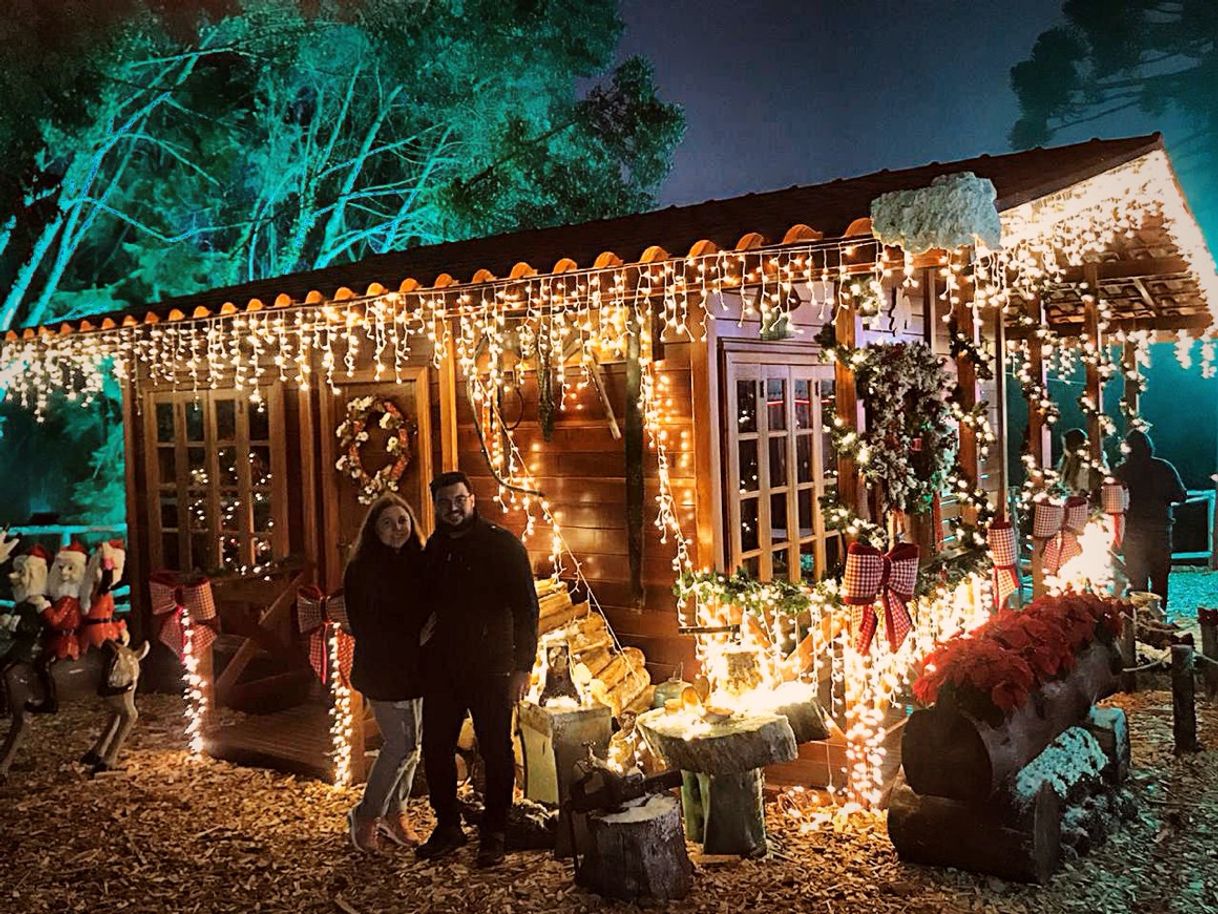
{"x":846,"y":329}
{"x":968,"y":333}
{"x":1036,"y":393}
{"x":1094,"y":389}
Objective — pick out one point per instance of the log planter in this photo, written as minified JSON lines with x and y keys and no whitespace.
{"x":948,"y":753}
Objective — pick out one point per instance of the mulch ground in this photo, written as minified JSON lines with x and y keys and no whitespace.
{"x":169,"y":834}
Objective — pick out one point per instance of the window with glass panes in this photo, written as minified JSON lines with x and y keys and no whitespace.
{"x":780,"y":462}
{"x":213,"y":465}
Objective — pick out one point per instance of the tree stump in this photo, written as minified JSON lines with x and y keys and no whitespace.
{"x":637,"y":852}
{"x":554,"y":740}
{"x":982,"y":838}
{"x":721,"y":765}
{"x":1183,"y":698}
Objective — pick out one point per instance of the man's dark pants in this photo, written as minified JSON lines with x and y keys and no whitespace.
{"x":445,"y":702}
{"x":1148,"y":560}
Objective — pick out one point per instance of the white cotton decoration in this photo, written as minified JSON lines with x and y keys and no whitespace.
{"x":1070,"y":758}
{"x":956,"y":210}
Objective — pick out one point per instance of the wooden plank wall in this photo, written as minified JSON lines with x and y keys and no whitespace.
{"x":582,"y":471}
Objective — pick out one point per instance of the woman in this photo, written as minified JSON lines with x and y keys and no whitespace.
{"x":382,"y":586}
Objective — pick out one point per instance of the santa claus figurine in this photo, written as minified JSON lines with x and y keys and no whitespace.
{"x":24,"y":623}
{"x":61,"y":619}
{"x":98,"y":625}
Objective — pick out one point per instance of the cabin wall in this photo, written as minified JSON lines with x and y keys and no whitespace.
{"x":582,"y":472}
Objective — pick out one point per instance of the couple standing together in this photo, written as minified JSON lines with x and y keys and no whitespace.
{"x":440,"y":630}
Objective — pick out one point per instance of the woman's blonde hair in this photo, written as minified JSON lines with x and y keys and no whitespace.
{"x":367,"y":528}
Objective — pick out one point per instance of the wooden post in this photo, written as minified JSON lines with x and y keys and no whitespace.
{"x":1208,"y":621}
{"x":847,"y":330}
{"x":1183,"y":699}
{"x":1129,"y":647}
{"x":704,"y":390}
{"x":634,"y":458}
{"x":1133,"y":390}
{"x":1040,"y":447}
{"x":1000,"y":398}
{"x":448,"y":404}
{"x":966,"y":381}
{"x":1094,"y":384}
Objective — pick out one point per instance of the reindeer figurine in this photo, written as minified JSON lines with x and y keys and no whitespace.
{"x":111,"y":672}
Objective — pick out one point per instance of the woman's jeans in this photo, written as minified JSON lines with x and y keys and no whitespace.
{"x":392,"y":773}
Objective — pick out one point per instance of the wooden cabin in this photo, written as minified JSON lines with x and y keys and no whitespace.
{"x":232,"y":466}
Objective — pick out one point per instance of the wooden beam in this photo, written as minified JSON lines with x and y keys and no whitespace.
{"x":1129,"y":365}
{"x":448,"y":404}
{"x":705,"y":408}
{"x":966,"y":380}
{"x":847,"y":331}
{"x":1094,"y":387}
{"x":1040,"y":446}
{"x":1000,"y":397}
{"x":634,"y":458}
{"x":1198,"y":321}
{"x":1127,"y":269}
{"x":136,"y":498}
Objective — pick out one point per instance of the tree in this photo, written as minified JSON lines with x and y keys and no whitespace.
{"x":248,"y":139}
{"x":157,"y":149}
{"x":1119,"y":58}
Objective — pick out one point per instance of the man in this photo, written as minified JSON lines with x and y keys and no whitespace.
{"x":478,"y":651}
{"x":1154,"y":486}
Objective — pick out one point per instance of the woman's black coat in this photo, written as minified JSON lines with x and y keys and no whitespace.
{"x":383,"y":590}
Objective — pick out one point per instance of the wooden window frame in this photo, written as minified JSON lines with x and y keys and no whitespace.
{"x":747,"y":363}
{"x":272,"y":396}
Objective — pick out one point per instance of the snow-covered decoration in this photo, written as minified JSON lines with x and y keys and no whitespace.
{"x":1111,"y":719}
{"x":1074,"y":756}
{"x":957,"y":210}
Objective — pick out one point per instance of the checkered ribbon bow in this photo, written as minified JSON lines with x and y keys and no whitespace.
{"x":1056,"y":528}
{"x":1114,"y":499}
{"x":1001,"y":537}
{"x":315,"y":614}
{"x":171,"y":598}
{"x":892,"y":578}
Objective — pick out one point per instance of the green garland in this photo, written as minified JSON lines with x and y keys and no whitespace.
{"x":906,"y":449}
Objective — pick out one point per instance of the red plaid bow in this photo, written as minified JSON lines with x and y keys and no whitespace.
{"x":171,"y":598}
{"x":315,"y":614}
{"x":1114,"y":499}
{"x":892,"y":577}
{"x":1001,"y":537}
{"x":1058,"y":528}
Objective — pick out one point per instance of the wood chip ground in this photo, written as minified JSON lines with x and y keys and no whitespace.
{"x":169,"y":834}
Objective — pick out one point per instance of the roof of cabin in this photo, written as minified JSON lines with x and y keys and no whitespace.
{"x":776,"y":216}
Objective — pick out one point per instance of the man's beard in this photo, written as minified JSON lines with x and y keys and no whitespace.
{"x":466,"y":522}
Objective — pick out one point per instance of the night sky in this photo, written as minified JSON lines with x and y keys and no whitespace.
{"x":781,"y":93}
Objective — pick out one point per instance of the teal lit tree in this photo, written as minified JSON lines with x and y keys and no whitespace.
{"x":155,"y":149}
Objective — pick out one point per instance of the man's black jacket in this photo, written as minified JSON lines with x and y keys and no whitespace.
{"x":481,"y":591}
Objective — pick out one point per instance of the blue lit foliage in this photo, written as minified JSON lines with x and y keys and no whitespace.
{"x":158,"y":149}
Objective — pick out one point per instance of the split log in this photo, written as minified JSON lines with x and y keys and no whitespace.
{"x":642,"y":701}
{"x":736,"y":745}
{"x":638,"y":852}
{"x":627,"y":690}
{"x":581,"y":643}
{"x":596,"y":660}
{"x":558,"y":619}
{"x":947,"y":753}
{"x":981,"y":838}
{"x":1111,"y":731}
{"x":552,"y":603}
{"x":806,"y":717}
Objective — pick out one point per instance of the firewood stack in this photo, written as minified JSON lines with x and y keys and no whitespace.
{"x":615,"y":678}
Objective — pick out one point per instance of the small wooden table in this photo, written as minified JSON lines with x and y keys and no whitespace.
{"x":721,"y":763}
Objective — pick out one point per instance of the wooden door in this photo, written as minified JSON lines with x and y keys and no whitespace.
{"x":343,"y":511}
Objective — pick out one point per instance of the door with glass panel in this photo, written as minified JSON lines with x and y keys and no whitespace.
{"x":780,"y":462}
